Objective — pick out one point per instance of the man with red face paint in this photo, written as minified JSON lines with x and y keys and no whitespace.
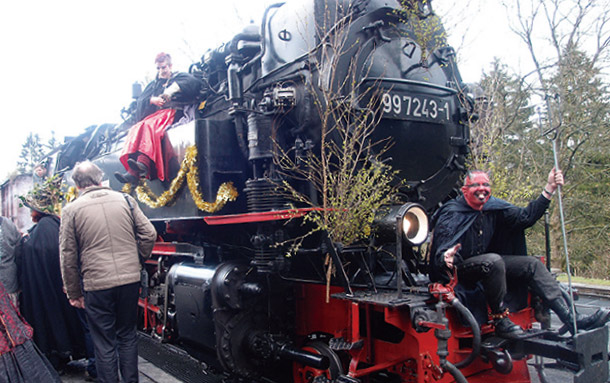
{"x":483,"y":237}
{"x":477,"y":190}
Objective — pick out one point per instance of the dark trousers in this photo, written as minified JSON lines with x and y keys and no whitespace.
{"x":82,"y":316}
{"x":112,"y":316}
{"x":493,"y":270}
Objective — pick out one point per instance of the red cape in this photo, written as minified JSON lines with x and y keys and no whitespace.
{"x":146,"y":137}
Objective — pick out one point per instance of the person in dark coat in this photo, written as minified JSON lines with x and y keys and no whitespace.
{"x":20,"y":360}
{"x":484,"y":238}
{"x":147,"y":152}
{"x":57,"y":329}
{"x":9,"y":238}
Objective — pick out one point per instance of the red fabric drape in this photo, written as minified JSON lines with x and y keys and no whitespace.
{"x":13,"y":329}
{"x":146,"y":137}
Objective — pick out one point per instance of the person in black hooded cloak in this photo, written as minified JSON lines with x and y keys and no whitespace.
{"x":58,"y":331}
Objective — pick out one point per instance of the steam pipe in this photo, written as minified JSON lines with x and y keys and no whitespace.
{"x":445,"y":296}
{"x":242,"y":37}
{"x":455,"y":372}
{"x":476,"y":333}
{"x":442,"y":335}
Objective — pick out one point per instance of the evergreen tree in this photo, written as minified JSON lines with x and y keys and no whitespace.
{"x":508,"y":140}
{"x":52,"y":143}
{"x":501,"y":136}
{"x":584,"y":145}
{"x":32,"y":152}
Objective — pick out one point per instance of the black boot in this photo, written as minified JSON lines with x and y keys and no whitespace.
{"x":126,"y":178}
{"x":138,"y":167}
{"x":505,"y":328}
{"x":583,"y":322}
{"x":598,"y":319}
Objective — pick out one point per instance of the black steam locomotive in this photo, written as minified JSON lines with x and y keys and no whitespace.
{"x":220,"y":278}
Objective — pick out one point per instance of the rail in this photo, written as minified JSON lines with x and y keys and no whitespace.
{"x":592,"y":290}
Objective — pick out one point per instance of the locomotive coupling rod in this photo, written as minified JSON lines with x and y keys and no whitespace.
{"x":271,"y":347}
{"x":306,"y":358}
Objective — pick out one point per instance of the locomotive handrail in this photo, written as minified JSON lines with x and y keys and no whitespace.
{"x":273,"y":215}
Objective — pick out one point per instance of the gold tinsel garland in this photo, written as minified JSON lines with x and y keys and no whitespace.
{"x":188,"y":169}
{"x":71,"y":194}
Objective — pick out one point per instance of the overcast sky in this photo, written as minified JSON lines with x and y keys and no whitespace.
{"x":69,"y":64}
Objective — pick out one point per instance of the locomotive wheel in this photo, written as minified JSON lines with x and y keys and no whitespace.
{"x":306,"y":374}
{"x":231,"y":352}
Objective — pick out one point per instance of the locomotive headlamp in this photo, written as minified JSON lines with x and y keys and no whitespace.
{"x":399,"y":223}
{"x":408,"y":221}
{"x":413,"y":222}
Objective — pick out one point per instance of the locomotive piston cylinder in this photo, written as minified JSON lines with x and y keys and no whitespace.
{"x":260,"y":138}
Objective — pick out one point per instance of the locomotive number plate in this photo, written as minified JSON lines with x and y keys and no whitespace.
{"x":420,"y":108}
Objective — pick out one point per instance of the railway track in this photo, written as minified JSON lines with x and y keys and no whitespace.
{"x":593,"y":291}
